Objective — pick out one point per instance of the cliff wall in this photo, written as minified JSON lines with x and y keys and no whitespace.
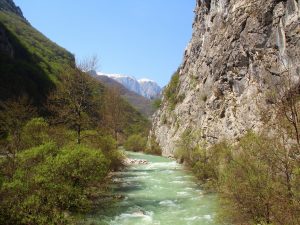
{"x":239,"y":50}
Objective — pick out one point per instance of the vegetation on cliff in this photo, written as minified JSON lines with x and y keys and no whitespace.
{"x":171,"y":90}
{"x":258,"y":177}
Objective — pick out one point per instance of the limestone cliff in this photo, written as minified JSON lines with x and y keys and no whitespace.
{"x":238,"y":50}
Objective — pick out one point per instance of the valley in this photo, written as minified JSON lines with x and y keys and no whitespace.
{"x":219,"y":144}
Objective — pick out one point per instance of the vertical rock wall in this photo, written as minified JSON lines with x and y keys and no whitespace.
{"x":238,"y":51}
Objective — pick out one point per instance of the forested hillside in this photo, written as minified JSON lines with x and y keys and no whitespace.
{"x":30,"y":63}
{"x":59,"y":128}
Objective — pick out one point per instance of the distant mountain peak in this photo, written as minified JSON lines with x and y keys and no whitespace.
{"x":144,"y":87}
{"x":115,"y":75}
{"x":143,"y":80}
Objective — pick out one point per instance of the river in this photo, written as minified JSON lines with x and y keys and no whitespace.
{"x":161,"y":192}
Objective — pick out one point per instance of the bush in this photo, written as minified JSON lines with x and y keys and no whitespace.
{"x":208,"y":164}
{"x":135,"y":143}
{"x":77,"y":165}
{"x":258,"y":178}
{"x":185,"y":146}
{"x":35,"y":133}
{"x":157,"y":103}
{"x":108,"y":145}
{"x":50,"y":184}
{"x":61,"y":135}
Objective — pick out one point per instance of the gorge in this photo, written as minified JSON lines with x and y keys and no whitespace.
{"x":220,"y":144}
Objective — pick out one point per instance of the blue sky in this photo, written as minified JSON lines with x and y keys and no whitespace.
{"x":141,"y":38}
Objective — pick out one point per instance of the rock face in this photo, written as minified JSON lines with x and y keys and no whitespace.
{"x":238,"y":51}
{"x":150,"y":88}
{"x":144,"y":87}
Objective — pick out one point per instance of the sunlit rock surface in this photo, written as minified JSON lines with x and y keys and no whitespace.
{"x":238,"y":50}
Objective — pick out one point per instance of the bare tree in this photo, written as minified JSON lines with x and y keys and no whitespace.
{"x":88,"y":64}
{"x":75,"y":101}
{"x":113,"y":112}
{"x":283,"y":102}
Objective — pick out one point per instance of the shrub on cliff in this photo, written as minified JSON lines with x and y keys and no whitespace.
{"x":171,"y":90}
{"x":156,"y":103}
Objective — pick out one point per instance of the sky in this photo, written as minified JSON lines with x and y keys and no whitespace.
{"x":140,"y":38}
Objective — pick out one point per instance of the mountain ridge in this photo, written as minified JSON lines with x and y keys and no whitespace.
{"x":140,"y":103}
{"x":144,"y":87}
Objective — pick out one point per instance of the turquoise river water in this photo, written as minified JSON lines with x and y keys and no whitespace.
{"x":161,"y":192}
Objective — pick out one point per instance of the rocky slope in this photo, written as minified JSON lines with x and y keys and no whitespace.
{"x":144,"y":87}
{"x":238,"y":51}
{"x":150,"y":89}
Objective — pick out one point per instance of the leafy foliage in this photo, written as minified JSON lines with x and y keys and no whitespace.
{"x":49,"y":183}
{"x":135,"y":143}
{"x":157,"y":103}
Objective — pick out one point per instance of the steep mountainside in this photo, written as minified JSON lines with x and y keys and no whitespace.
{"x":29,"y":62}
{"x":239,"y":51}
{"x":142,"y":104}
{"x":144,"y":87}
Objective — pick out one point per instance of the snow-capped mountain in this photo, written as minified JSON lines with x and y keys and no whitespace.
{"x":150,"y":88}
{"x":145,"y":87}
